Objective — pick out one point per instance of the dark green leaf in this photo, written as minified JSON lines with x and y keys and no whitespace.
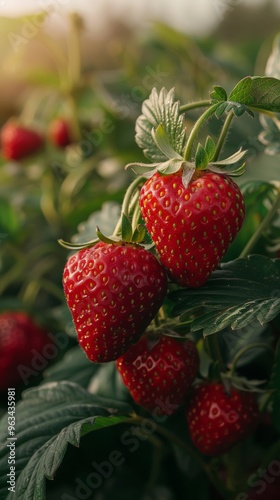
{"x":160,"y":109}
{"x":258,"y":93}
{"x":239,"y":292}
{"x":50,"y":417}
{"x":275,"y":386}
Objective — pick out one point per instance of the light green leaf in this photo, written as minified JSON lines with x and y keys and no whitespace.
{"x":259,"y":93}
{"x":160,"y":109}
{"x":238,"y":293}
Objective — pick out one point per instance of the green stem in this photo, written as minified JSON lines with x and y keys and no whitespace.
{"x":239,"y":354}
{"x":214,"y":350}
{"x":223,"y":135}
{"x":196,"y":129}
{"x":263,"y":225}
{"x":194,"y":105}
{"x":127,"y":200}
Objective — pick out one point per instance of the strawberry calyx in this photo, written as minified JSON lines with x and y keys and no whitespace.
{"x":205,"y":159}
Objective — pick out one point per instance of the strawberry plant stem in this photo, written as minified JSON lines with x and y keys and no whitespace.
{"x":261,"y":228}
{"x":214,"y":350}
{"x":223,"y":135}
{"x":195,"y":130}
{"x":127,"y":201}
{"x":194,"y":105}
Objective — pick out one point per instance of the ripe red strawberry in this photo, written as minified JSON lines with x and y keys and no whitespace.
{"x":59,"y":133}
{"x":159,"y":373}
{"x":19,"y":336}
{"x":18,"y":141}
{"x":113,"y":292}
{"x":191,"y":227}
{"x":218,"y":420}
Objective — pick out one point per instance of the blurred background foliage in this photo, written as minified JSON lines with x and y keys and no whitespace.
{"x":96,"y":72}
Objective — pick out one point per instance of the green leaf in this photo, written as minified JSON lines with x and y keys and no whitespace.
{"x":201,"y":157}
{"x":160,"y":109}
{"x":275,"y":386}
{"x":218,"y":94}
{"x":238,"y":293}
{"x":50,"y":417}
{"x":259,"y":93}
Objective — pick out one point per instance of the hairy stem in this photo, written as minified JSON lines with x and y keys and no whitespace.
{"x":194,"y":105}
{"x":223,"y":135}
{"x":192,"y":137}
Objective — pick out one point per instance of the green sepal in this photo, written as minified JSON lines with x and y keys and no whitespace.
{"x":111,"y":240}
{"x":231,"y":160}
{"x":162,"y":141}
{"x":210,"y":147}
{"x":201,"y":157}
{"x":139,"y":234}
{"x":218,"y":94}
{"x":77,"y":246}
{"x":126,"y":228}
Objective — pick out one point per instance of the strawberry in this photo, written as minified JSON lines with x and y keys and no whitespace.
{"x":192,"y":226}
{"x":59,"y":133}
{"x":19,"y":336}
{"x":113,"y":292}
{"x":18,"y":141}
{"x":217,"y":420}
{"x":159,"y":373}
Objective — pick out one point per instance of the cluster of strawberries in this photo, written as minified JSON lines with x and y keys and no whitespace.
{"x":18,"y":141}
{"x":115,"y":289}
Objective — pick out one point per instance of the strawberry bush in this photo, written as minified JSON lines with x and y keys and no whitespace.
{"x":140,"y":279}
